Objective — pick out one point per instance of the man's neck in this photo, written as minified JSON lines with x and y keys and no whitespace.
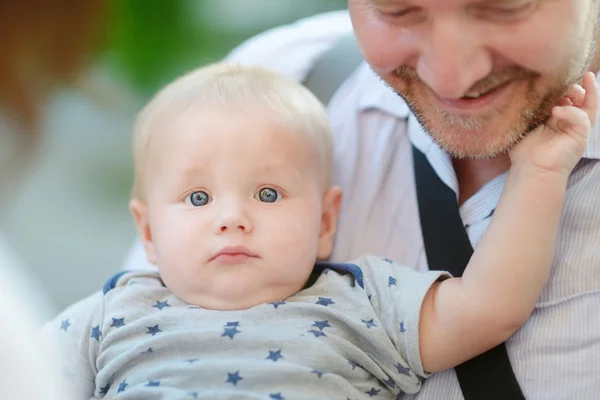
{"x":473,"y":174}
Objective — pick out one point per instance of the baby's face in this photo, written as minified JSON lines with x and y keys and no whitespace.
{"x":235,"y":208}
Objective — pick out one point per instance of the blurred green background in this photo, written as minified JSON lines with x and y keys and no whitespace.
{"x":69,"y":222}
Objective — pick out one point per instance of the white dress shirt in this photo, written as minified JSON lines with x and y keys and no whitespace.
{"x":555,"y":355}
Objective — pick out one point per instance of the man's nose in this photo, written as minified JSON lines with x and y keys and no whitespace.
{"x":452,"y":58}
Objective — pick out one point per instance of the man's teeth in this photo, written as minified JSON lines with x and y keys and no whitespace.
{"x":478,"y":94}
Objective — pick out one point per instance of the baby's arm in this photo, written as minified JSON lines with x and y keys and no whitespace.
{"x":463,"y":317}
{"x":75,"y":334}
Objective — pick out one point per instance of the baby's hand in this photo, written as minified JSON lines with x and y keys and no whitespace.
{"x":559,"y":144}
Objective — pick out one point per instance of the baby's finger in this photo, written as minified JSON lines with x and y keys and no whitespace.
{"x":576,"y":95}
{"x":570,"y":120}
{"x":591,"y":102}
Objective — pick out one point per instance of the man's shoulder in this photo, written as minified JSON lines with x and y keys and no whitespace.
{"x":293,"y":49}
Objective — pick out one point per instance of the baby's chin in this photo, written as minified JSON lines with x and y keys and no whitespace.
{"x":233,"y":301}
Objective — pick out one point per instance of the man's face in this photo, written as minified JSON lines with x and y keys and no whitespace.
{"x":478,"y":74}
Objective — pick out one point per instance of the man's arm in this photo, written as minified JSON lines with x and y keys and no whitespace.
{"x":463,"y":317}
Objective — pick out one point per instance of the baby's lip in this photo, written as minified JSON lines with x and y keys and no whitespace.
{"x":232,"y":251}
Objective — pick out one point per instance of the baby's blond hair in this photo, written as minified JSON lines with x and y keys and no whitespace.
{"x":235,"y":86}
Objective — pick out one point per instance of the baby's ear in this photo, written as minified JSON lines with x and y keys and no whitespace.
{"x":331,"y":210}
{"x":139,"y":210}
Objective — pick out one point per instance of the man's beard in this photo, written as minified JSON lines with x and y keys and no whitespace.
{"x":474,"y":137}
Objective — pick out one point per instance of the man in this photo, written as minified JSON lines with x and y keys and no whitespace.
{"x":461,"y":80}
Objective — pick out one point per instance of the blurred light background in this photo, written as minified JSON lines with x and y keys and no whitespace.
{"x":69,"y":222}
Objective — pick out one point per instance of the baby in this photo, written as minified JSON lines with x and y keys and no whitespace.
{"x":234,"y":204}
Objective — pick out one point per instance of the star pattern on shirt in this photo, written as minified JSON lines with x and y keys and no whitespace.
{"x":234,"y":378}
{"x":317,"y":333}
{"x":192,"y":360}
{"x":193,"y":394}
{"x":153,"y":330}
{"x":161,"y":304}
{"x":117,"y":322}
{"x":369,"y":323}
{"x":276,"y":304}
{"x":373,"y":392}
{"x":392,"y":281}
{"x":96,"y":333}
{"x":274,"y":355}
{"x":389,"y":382}
{"x":402,"y":330}
{"x":122,"y":386}
{"x":231,"y":329}
{"x":387,"y":260}
{"x":322,"y":324}
{"x":64,"y":325}
{"x":317,"y":372}
{"x":325,"y":301}
{"x":153,"y":384}
{"x":147,"y":351}
{"x":104,"y":390}
{"x":276,"y":396}
{"x":402,"y":369}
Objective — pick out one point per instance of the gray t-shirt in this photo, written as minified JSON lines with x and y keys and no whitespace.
{"x":351,"y":333}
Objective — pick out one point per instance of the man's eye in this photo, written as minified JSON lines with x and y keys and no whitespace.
{"x":198,"y":199}
{"x":517,"y":10}
{"x":268,"y":195}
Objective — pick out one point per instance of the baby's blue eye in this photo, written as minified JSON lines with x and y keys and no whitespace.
{"x":199,"y":198}
{"x":268,"y":195}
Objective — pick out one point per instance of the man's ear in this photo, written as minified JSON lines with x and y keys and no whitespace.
{"x":331,"y":210}
{"x":139,"y":209}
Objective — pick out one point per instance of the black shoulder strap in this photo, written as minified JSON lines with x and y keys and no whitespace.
{"x":447,"y":246}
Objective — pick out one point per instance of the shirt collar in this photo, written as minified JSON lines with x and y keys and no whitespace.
{"x":375,"y":94}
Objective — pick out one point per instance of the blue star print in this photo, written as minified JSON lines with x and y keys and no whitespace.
{"x":153,"y":330}
{"x":118,"y":322}
{"x":387,"y":260}
{"x":274,"y":355}
{"x":96,"y":332}
{"x":352,"y":364}
{"x":402,"y":330}
{"x":317,"y":333}
{"x":402,"y":369}
{"x":192,"y":360}
{"x":325,"y":301}
{"x":369,"y":323}
{"x":153,"y":383}
{"x":230,"y":332}
{"x":390,"y":383}
{"x":276,"y":396}
{"x":317,"y":372}
{"x":234,"y":378}
{"x":373,"y":392}
{"x":277,"y":303}
{"x":64,"y":325}
{"x":147,"y":351}
{"x":161,"y":304}
{"x":105,"y":389}
{"x":193,"y":394}
{"x":392,"y":281}
{"x":321,"y":325}
{"x":234,"y":323}
{"x":122,"y":386}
